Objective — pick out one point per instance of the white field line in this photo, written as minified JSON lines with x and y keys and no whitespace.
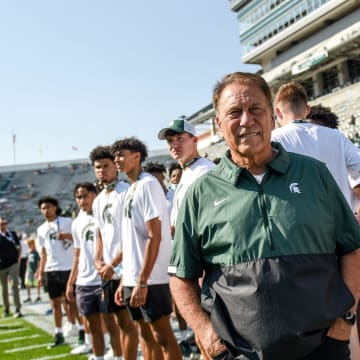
{"x":20,"y":338}
{"x":13,"y":330}
{"x":26,"y":348}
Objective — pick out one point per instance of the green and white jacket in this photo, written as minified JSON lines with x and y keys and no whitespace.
{"x":270,"y":253}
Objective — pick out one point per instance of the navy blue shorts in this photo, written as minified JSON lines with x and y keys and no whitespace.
{"x":89,"y":300}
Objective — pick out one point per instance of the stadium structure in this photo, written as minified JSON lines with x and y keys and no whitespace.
{"x":313,"y":42}
{"x":21,"y":186}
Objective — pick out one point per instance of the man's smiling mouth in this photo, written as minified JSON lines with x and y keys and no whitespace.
{"x":248,"y":135}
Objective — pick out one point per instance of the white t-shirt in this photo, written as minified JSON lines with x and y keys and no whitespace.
{"x":147,"y":201}
{"x":189,"y":175}
{"x":330,"y":146}
{"x":85,"y":230}
{"x":59,"y":253}
{"x":107,"y":208}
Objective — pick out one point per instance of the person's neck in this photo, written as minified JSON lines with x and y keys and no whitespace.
{"x":133,"y":174}
{"x":51,"y":219}
{"x":290,"y":118}
{"x":110,"y":184}
{"x":185,"y":163}
{"x":256,"y":165}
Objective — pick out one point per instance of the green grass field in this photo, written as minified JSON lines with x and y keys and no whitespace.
{"x":20,"y":340}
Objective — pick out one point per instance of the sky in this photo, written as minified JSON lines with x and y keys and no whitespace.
{"x":75,"y":74}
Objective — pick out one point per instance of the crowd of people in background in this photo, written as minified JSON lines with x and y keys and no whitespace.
{"x":256,"y":253}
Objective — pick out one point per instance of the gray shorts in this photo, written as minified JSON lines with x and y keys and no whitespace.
{"x":158,"y":303}
{"x":89,"y":300}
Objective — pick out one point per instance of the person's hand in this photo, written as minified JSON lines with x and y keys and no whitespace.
{"x":70,"y":293}
{"x":119,"y":297}
{"x":138,"y":296}
{"x":106,"y":272}
{"x":40,"y":279}
{"x":340,"y":330}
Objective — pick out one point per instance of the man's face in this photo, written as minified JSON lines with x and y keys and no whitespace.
{"x":181,"y":146}
{"x":175,"y":176}
{"x":3,"y":225}
{"x":245,"y":119}
{"x":48,"y":210}
{"x":126,"y":160}
{"x":105,"y":170}
{"x":84,"y":199}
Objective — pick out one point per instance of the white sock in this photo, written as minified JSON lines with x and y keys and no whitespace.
{"x":80,"y":327}
{"x":58,"y":330}
{"x":117,"y":357}
{"x":99,"y":358}
{"x":107,"y":340}
{"x":88,"y":339}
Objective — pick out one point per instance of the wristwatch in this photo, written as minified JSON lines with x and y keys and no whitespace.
{"x":350,"y":318}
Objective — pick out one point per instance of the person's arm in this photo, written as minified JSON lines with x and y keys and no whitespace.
{"x":43,"y":258}
{"x":73,"y":276}
{"x":356,"y":191}
{"x":350,"y":271}
{"x":186,"y":293}
{"x":98,"y":260}
{"x":65,"y":236}
{"x":139,"y":293}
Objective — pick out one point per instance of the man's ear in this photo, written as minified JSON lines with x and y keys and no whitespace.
{"x":278,"y":112}
{"x":307,"y":111}
{"x":219,"y":125}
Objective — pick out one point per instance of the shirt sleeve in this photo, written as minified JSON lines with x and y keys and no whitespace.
{"x":185,"y":261}
{"x":352,"y":154}
{"x":347,"y":228}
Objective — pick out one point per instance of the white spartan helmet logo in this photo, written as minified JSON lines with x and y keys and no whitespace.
{"x":294,"y":188}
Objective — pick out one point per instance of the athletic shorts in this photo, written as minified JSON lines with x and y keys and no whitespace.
{"x":89,"y":300}
{"x":56,"y":283}
{"x":109,"y":289}
{"x":158,"y":303}
{"x":30,"y":279}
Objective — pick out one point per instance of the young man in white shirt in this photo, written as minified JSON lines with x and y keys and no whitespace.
{"x":107,"y":208}
{"x":181,"y":138}
{"x":146,"y":247}
{"x":57,"y":251}
{"x":83,"y":274}
{"x":330,"y":146}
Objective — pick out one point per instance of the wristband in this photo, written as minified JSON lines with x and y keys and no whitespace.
{"x":142,"y":285}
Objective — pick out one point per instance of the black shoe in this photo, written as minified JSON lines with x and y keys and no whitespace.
{"x":18,"y":314}
{"x":185,"y":348}
{"x":28,"y":300}
{"x":58,"y":340}
{"x":6,"y":314}
{"x":81,"y":339}
{"x":37,"y":299}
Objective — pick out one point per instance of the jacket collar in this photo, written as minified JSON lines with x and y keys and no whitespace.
{"x":231,"y":172}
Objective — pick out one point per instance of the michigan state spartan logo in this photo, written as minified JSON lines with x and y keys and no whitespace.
{"x":87,"y":232}
{"x":106,"y":215}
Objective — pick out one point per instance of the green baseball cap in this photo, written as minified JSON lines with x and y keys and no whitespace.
{"x":179,"y":126}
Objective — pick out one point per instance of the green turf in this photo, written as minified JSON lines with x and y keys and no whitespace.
{"x":18,"y":333}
